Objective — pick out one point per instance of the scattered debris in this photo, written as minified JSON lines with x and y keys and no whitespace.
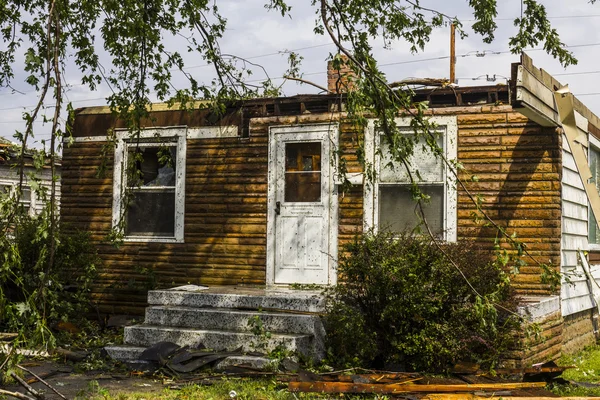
{"x":70,"y":355}
{"x":39,"y":379}
{"x":7,"y":337}
{"x":391,"y":388}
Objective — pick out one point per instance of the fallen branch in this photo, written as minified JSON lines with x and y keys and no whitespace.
{"x":291,"y":78}
{"x":16,"y":395}
{"x":5,"y":336}
{"x":31,"y":390}
{"x":421,"y":81}
{"x":7,"y":358}
{"x":42,"y":381}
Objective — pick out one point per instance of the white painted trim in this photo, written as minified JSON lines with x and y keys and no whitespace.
{"x":593,"y":142}
{"x":368,"y":187}
{"x":150,"y":133}
{"x":176,"y":135}
{"x":33,"y":196}
{"x":212,"y":132}
{"x":85,"y":139}
{"x":332,"y":133}
{"x":202,"y":132}
{"x":370,"y":203}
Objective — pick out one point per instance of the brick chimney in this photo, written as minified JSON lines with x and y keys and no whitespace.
{"x":342,"y":80}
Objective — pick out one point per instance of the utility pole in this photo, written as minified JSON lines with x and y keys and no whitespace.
{"x":452,"y":53}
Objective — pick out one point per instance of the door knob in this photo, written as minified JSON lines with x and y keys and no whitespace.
{"x":277,"y":207}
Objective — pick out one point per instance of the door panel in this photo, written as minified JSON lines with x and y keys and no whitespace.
{"x":302,"y":197}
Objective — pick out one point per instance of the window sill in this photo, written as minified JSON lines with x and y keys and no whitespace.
{"x":153,"y":239}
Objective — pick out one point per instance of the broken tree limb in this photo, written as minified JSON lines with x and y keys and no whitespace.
{"x":16,"y":395}
{"x":421,"y":81}
{"x":342,"y":387}
{"x":7,"y":358}
{"x":42,"y":381}
{"x":4,"y":336}
{"x":31,"y":390}
{"x":292,"y":78}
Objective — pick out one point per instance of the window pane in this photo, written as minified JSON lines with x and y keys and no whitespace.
{"x":4,"y":190}
{"x":151,"y":214}
{"x":26,"y":195}
{"x":429,"y":166}
{"x":156,"y":166}
{"x":594,"y":161}
{"x":303,"y":172}
{"x":397,"y":209}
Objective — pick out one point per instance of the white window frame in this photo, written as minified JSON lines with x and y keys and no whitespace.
{"x":447,"y":125}
{"x":33,"y":199}
{"x":154,"y":137}
{"x":592,"y":143}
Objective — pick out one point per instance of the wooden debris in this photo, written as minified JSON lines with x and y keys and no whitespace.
{"x":497,"y":396}
{"x":71,"y":355}
{"x":343,"y":387}
{"x":42,"y":381}
{"x":5,"y":337}
{"x":532,"y":370}
{"x":16,"y":395}
{"x":31,"y":390}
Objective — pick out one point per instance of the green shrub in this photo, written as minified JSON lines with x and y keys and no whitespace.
{"x":35,"y":295}
{"x":402,"y":303}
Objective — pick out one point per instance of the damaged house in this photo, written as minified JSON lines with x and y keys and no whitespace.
{"x":31,"y":200}
{"x":253,"y":199}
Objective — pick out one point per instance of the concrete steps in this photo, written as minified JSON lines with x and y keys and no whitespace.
{"x":251,"y":299}
{"x":147,"y":335}
{"x":228,"y":319}
{"x":218,"y":318}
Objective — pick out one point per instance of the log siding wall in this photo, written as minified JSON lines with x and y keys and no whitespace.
{"x":515,"y":166}
{"x":516,"y":161}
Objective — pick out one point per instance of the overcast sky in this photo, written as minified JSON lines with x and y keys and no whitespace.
{"x":263,"y":37}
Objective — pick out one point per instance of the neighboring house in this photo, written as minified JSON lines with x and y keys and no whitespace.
{"x":9,"y":177}
{"x":253,"y":198}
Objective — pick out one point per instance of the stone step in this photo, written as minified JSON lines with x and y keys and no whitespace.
{"x":234,"y":320}
{"x":241,"y":298}
{"x":131,"y":355}
{"x":147,"y":335}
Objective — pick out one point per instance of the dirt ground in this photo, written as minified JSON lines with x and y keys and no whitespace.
{"x":75,"y":385}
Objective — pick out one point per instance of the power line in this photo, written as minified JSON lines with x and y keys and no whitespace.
{"x":207,"y":65}
{"x":554,"y":17}
{"x":469,"y":54}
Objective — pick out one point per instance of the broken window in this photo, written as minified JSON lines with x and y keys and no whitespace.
{"x":151,"y":207}
{"x":148,"y":204}
{"x":398,"y":211}
{"x":390,"y":201}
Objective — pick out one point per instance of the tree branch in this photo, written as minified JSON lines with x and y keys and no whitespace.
{"x":291,"y":78}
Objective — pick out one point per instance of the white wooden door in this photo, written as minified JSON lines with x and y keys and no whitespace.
{"x":301,"y":206}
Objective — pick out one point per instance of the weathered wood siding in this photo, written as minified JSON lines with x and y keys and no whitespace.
{"x":225,"y":218}
{"x":517,"y":164}
{"x":575,"y":290}
{"x":514,"y":165}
